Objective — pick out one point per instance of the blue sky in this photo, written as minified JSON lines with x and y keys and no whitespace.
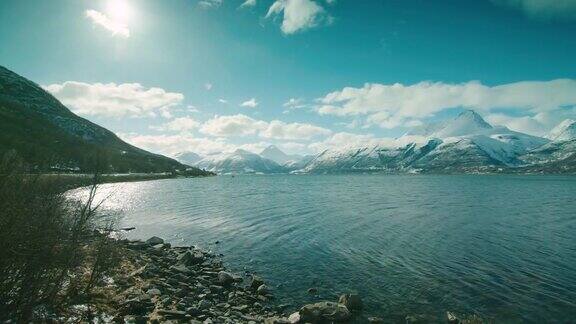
{"x":213,"y":75}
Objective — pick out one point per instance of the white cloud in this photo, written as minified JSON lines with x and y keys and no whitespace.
{"x":298,"y":15}
{"x":248,"y":3}
{"x":224,"y":101}
{"x":539,"y":124}
{"x":294,"y":103}
{"x":181,"y":124}
{"x":192,"y":109}
{"x":207,"y":4}
{"x":172,"y":144}
{"x":242,"y":125}
{"x":115,"y":100}
{"x":543,"y":9}
{"x":293,"y":131}
{"x":208,"y":86}
{"x":104,"y":21}
{"x":233,"y":125}
{"x":396,"y":104}
{"x":252,"y":103}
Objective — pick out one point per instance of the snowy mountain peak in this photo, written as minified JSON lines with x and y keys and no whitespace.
{"x":188,"y":157}
{"x":467,"y":122}
{"x":242,"y":152}
{"x":273,"y":153}
{"x":565,"y":131}
{"x":472,"y":116}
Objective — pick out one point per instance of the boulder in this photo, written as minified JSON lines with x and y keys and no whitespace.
{"x":262,"y":290}
{"x":191,"y":258}
{"x":154,"y":292}
{"x":375,"y":320}
{"x":171,"y":313}
{"x":352,"y":301}
{"x":154,"y":240}
{"x":452,"y":318}
{"x":294,"y":318}
{"x":225,"y":278}
{"x":324,"y":312}
{"x":256,"y":282}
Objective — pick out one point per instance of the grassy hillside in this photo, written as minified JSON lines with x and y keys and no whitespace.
{"x":48,"y":136}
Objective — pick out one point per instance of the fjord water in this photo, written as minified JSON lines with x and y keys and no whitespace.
{"x":500,"y":246}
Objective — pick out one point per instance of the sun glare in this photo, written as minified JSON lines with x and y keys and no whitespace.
{"x":119,"y":10}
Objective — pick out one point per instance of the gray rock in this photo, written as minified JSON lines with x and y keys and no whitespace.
{"x":256,"y":282}
{"x":375,"y":320}
{"x":154,"y":240}
{"x":171,"y":313}
{"x":204,"y":304}
{"x":191,"y":258}
{"x":452,"y":318}
{"x":225,"y":278}
{"x":324,"y":312}
{"x":313,"y":291}
{"x":294,"y":318}
{"x":262,"y":290}
{"x":154,"y":292}
{"x":193,"y":311}
{"x":352,"y":301}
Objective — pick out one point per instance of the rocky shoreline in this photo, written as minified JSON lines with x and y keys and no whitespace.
{"x":160,"y":283}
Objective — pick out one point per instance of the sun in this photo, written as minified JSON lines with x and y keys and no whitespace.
{"x":119,"y":10}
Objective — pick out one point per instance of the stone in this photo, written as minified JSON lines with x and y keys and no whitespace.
{"x":276,"y":320}
{"x":136,"y":307}
{"x":225,"y":278}
{"x":352,"y":301}
{"x":375,"y":320}
{"x":171,"y":313}
{"x":191,"y":258}
{"x":256,"y":282}
{"x":294,"y":318}
{"x":154,"y":292}
{"x":154,"y":240}
{"x":313,"y":291}
{"x":452,"y":318}
{"x":204,"y":304}
{"x":137,"y":245}
{"x":324,"y":312}
{"x":262,"y":290}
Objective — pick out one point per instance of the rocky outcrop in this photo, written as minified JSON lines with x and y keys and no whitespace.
{"x":160,"y":283}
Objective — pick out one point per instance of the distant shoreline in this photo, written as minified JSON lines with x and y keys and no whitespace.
{"x":69,"y":181}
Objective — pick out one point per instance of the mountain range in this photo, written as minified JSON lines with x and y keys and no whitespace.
{"x":49,"y":137}
{"x":464,"y":144}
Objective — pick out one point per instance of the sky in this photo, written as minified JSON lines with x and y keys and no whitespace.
{"x":215,"y":75}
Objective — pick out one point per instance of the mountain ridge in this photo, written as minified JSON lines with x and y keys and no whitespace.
{"x":49,"y":137}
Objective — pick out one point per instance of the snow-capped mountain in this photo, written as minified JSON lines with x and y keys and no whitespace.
{"x":565,"y":131}
{"x":273,"y":153}
{"x":466,"y":123}
{"x":239,"y":162}
{"x":466,"y":143}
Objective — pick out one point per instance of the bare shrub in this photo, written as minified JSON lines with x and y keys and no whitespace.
{"x":48,"y":244}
